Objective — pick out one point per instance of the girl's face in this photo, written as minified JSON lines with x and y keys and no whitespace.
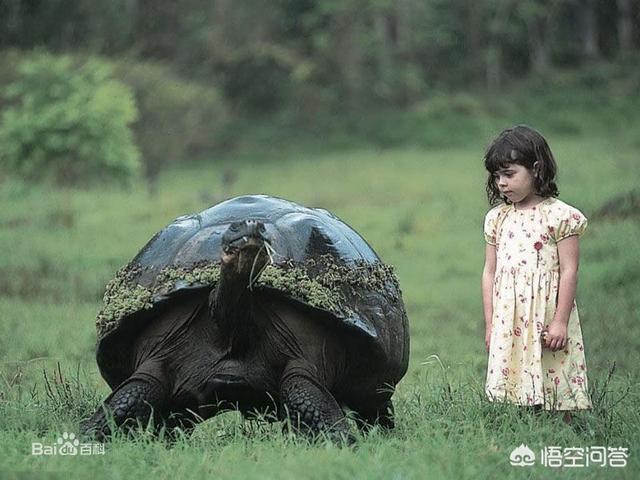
{"x":515,"y":183}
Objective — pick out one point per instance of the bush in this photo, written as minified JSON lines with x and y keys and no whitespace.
{"x":176,"y":117}
{"x":69,"y":121}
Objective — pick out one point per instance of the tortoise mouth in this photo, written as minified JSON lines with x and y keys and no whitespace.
{"x":245,"y":242}
{"x":249,"y":254}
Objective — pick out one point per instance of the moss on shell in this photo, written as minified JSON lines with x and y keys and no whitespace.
{"x":296,"y":282}
{"x":320,"y":283}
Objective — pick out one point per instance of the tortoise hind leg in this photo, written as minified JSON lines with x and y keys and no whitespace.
{"x":135,"y":400}
{"x":310,"y":406}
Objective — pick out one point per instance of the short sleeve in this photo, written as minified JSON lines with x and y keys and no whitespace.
{"x":572,"y":222}
{"x":490,"y":226}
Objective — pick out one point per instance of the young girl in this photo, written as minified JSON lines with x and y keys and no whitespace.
{"x":533,"y":335}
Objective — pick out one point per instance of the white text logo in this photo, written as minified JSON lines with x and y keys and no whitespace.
{"x":571,"y":457}
{"x":69,"y":445}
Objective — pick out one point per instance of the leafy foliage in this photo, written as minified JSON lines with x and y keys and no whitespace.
{"x":354,"y":54}
{"x":68,"y":121}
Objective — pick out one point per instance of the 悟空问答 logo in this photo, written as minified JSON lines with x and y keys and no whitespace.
{"x":522,"y":456}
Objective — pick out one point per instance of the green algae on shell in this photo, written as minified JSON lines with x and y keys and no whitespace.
{"x":320,"y":284}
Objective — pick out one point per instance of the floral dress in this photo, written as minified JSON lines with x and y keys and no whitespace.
{"x":520,"y":370}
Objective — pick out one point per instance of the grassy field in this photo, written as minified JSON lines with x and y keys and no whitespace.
{"x":422,"y":210}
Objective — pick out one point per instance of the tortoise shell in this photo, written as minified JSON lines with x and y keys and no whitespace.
{"x":318,"y":261}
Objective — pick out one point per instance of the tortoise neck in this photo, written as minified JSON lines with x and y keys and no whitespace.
{"x":231,"y":308}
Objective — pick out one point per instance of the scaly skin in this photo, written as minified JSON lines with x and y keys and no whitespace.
{"x":310,"y":407}
{"x":132,"y":402}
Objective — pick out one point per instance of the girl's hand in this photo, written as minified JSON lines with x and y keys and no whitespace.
{"x":556,"y":336}
{"x":487,"y":338}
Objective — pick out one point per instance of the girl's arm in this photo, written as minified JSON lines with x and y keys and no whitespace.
{"x":568,"y":256}
{"x":488,"y":275}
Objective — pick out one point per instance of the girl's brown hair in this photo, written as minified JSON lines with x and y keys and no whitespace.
{"x":527,"y":147}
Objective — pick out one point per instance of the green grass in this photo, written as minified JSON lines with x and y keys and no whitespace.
{"x":422,"y":210}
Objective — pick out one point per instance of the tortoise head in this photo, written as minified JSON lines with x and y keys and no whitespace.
{"x":243,"y":246}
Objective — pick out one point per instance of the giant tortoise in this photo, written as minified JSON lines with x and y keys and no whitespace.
{"x":256,"y":304}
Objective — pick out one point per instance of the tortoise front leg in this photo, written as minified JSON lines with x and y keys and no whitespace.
{"x":310,"y":407}
{"x":135,"y":400}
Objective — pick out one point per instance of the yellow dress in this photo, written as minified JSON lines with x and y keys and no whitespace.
{"x":525,"y":292}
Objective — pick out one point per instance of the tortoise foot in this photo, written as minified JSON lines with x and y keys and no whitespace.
{"x":132,"y":403}
{"x":311,"y":409}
